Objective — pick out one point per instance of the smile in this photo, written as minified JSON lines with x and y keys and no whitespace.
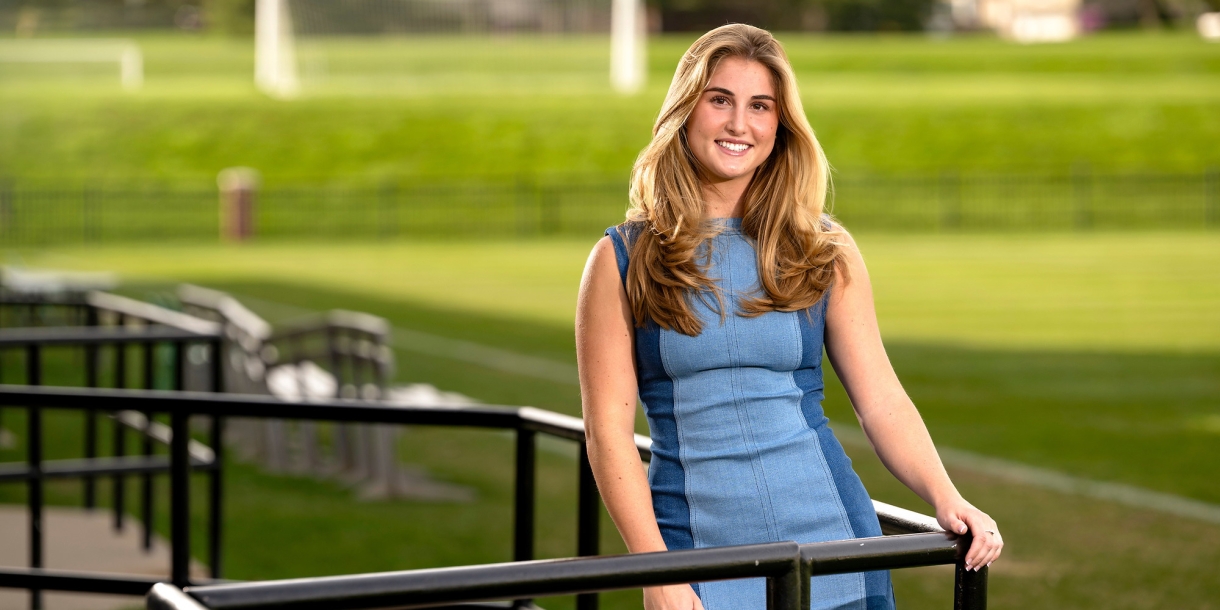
{"x":732,"y":146}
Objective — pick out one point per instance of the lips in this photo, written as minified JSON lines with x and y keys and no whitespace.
{"x":733,"y":147}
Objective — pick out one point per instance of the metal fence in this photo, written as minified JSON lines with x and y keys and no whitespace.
{"x":40,"y":214}
{"x":928,"y":546}
{"x":786,"y":565}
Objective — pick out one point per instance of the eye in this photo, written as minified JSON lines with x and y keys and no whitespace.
{"x":720,"y":100}
{"x":760,"y":106}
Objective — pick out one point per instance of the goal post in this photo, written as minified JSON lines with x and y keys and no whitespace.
{"x":126,"y":53}
{"x":628,"y":29}
{"x":275,"y":64}
{"x":299,"y":44}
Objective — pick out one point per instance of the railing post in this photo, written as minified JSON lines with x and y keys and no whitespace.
{"x":523,"y":501}
{"x":91,"y":379}
{"x":146,"y":482}
{"x":180,"y":485}
{"x":969,"y":587}
{"x":784,"y":591}
{"x":120,"y":436}
{"x":588,"y":513}
{"x":33,"y":376}
{"x":215,"y":476}
{"x":806,"y":578}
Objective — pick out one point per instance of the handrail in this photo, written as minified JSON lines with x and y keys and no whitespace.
{"x":897,"y":520}
{"x":336,"y":318}
{"x":231,"y":310}
{"x":150,"y":313}
{"x":97,"y":335}
{"x":422,"y":588}
{"x":571,"y":428}
{"x":164,"y":596}
{"x":65,"y":580}
{"x":163,"y":434}
{"x":97,"y":466}
{"x":468,"y":584}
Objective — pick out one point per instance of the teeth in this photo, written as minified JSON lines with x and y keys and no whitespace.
{"x":732,"y":146}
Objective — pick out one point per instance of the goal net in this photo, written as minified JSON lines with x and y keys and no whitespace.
{"x":417,"y":47}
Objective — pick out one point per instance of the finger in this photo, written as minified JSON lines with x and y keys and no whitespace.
{"x":980,"y":546}
{"x":978,"y":550}
{"x":991,"y":556}
{"x":997,"y":549}
{"x":954,"y":524}
{"x":988,"y":549}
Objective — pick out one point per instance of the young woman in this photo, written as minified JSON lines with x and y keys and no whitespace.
{"x":712,"y":304}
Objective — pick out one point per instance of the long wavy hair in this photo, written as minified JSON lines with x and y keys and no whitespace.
{"x":797,"y":248}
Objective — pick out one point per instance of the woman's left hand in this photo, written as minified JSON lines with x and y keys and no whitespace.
{"x":959,"y":517}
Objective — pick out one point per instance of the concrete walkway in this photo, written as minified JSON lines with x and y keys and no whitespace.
{"x":76,"y":539}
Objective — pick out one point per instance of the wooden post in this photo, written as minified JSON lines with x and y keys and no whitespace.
{"x":238,"y":192}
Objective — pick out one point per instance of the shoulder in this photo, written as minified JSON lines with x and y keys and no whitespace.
{"x":621,"y":239}
{"x":848,"y":250}
{"x":625,"y":232}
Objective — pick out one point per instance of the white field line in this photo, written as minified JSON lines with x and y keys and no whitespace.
{"x":1016,"y":472}
{"x":484,"y":355}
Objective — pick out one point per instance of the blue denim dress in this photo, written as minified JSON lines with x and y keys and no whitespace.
{"x":742,"y":452}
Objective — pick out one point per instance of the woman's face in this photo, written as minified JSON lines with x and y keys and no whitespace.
{"x":732,"y":129}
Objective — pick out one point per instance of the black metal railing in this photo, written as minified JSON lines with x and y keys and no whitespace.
{"x":1076,"y":200}
{"x":786,"y":566}
{"x":36,"y":471}
{"x":526,"y":422}
{"x":108,"y":319}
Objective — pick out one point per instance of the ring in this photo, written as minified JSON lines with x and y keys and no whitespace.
{"x":992,"y":532}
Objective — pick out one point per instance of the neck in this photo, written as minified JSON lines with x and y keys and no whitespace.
{"x":725,"y":199}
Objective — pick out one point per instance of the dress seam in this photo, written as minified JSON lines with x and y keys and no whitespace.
{"x":757,"y":467}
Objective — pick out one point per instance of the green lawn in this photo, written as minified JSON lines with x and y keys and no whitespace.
{"x":1123,"y":102}
{"x":1108,"y":291}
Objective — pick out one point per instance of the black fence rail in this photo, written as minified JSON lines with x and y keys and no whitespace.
{"x":36,"y":471}
{"x":107,"y":324}
{"x":786,"y":566}
{"x":32,"y":214}
{"x":527,"y":423}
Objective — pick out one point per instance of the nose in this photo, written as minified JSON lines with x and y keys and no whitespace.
{"x":736,"y":124}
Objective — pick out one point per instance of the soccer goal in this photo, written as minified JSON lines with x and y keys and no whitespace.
{"x":125,"y":53}
{"x":447,"y":46}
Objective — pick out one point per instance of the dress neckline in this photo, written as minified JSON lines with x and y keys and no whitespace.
{"x":727,"y":225}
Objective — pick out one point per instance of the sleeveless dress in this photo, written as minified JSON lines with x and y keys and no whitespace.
{"x":741,"y":451}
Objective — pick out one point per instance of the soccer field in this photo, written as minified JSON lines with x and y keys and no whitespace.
{"x":1093,"y":356}
{"x":436,"y":106}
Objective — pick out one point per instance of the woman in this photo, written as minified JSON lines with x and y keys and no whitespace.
{"x":712,"y":304}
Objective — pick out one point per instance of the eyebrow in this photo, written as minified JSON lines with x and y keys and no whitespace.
{"x":727,"y":92}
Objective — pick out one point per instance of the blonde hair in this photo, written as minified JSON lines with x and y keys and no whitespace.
{"x":797,"y":250}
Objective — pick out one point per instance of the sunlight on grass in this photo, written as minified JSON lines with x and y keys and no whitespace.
{"x":1115,"y":291}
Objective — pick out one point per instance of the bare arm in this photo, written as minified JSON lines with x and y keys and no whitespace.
{"x":604,"y":346}
{"x":604,"y":355}
{"x":889,"y":418}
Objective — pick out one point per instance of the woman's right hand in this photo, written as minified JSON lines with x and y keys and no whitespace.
{"x":671,"y":597}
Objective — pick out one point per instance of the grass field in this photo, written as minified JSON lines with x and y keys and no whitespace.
{"x":1064,"y":352}
{"x":445,"y":107}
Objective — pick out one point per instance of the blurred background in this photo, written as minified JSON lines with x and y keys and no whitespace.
{"x":1035,"y":185}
